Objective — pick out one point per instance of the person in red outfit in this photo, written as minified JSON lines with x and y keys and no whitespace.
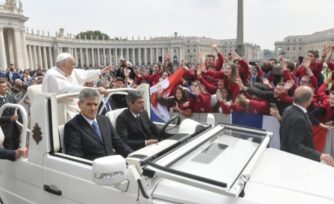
{"x":232,"y":79}
{"x":154,"y":78}
{"x":179,"y":103}
{"x":200,"y":99}
{"x":315,"y":66}
{"x":210,"y":59}
{"x":243,"y":104}
{"x":322,"y":119}
{"x":243,"y":68}
{"x":266,"y":71}
{"x":223,"y":103}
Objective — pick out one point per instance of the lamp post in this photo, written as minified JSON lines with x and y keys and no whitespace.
{"x":175,"y":62}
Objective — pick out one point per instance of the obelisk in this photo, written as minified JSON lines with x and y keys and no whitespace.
{"x":240,"y":30}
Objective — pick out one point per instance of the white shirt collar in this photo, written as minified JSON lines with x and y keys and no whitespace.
{"x":134,"y":115}
{"x":88,"y":120}
{"x":61,"y":71}
{"x":302,"y":108}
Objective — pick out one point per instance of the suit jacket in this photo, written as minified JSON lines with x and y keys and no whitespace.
{"x":80,"y":139}
{"x":9,"y":128}
{"x":7,"y":154}
{"x":296,"y":133}
{"x":130,"y":131}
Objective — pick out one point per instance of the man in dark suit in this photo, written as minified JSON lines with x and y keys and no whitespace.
{"x":133,"y":125}
{"x":89,"y":135}
{"x":13,"y":154}
{"x":296,"y":128}
{"x":8,"y":119}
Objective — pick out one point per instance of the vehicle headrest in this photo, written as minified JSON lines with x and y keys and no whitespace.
{"x":2,"y":137}
{"x":113,"y":114}
{"x":188,"y":126}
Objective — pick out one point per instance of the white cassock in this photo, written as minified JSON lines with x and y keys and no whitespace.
{"x":55,"y":81}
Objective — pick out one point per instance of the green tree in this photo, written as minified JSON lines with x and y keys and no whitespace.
{"x":90,"y":34}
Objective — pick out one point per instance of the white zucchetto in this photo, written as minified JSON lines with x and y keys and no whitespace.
{"x":63,"y":56}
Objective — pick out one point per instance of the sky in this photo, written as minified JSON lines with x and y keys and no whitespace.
{"x":265,"y":21}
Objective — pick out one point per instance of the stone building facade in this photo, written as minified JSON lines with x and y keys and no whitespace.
{"x":27,"y":48}
{"x":294,"y":46}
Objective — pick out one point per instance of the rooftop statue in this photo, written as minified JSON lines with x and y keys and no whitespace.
{"x":11,"y":5}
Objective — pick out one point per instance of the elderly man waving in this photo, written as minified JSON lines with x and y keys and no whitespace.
{"x":63,"y":78}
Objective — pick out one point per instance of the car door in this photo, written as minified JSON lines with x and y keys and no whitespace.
{"x":68,"y":180}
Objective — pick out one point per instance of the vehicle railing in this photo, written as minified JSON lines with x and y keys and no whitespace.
{"x":76,"y":94}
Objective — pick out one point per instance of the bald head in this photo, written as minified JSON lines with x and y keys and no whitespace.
{"x":303,"y":96}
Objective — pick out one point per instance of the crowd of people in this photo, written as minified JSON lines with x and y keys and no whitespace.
{"x":216,"y":84}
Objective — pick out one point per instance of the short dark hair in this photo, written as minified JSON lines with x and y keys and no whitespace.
{"x":88,"y":93}
{"x":211,"y":55}
{"x":290,"y":65}
{"x":314,"y":52}
{"x":3,"y":81}
{"x":132,"y":96}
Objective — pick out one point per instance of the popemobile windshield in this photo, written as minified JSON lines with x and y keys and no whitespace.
{"x":197,"y":163}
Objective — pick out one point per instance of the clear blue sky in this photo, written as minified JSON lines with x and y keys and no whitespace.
{"x":266,"y":21}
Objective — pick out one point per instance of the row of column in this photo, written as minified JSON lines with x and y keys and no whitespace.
{"x":95,"y":57}
{"x":13,"y":51}
{"x":40,"y":56}
{"x":43,"y":56}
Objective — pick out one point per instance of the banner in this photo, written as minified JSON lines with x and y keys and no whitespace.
{"x":160,"y":113}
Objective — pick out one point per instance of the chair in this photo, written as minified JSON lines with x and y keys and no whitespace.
{"x":113,"y":114}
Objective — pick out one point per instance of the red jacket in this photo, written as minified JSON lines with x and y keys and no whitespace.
{"x":201,"y":103}
{"x":210,"y":87}
{"x":233,"y":87}
{"x":259,"y":106}
{"x":153,"y":78}
{"x":315,"y":67}
{"x":219,"y":62}
{"x":244,"y":71}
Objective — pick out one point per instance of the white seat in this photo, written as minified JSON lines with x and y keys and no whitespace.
{"x":34,"y":90}
{"x":61,"y":138}
{"x":113,"y":114}
{"x":2,"y":137}
{"x":210,"y":120}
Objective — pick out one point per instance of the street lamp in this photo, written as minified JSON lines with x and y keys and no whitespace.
{"x":175,"y":62}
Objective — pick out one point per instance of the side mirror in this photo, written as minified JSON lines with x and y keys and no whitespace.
{"x":109,"y":170}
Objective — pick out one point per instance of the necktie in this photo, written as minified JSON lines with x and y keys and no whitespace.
{"x":97,"y":130}
{"x":140,"y":125}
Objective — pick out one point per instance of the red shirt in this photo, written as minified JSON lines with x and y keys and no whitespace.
{"x":201,"y":103}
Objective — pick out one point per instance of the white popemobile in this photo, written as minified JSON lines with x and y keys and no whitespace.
{"x":196,"y":164}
